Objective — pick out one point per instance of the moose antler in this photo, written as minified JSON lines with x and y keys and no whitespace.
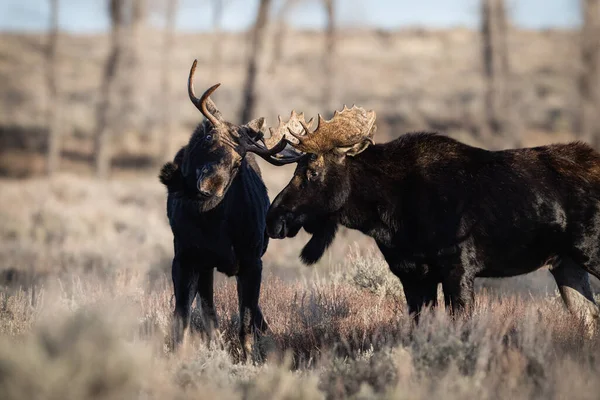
{"x":206,"y":106}
{"x":281,"y":135}
{"x":342,"y":133}
{"x":295,"y":124}
{"x":268,"y":148}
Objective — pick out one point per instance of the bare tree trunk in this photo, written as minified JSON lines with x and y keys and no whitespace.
{"x":329,"y":54}
{"x":54,"y":101}
{"x":218,"y":7}
{"x":167,"y":120}
{"x":103,"y":113}
{"x":279,"y":36}
{"x":256,"y":50}
{"x":589,"y":80}
{"x":131,"y":70}
{"x":496,"y":66}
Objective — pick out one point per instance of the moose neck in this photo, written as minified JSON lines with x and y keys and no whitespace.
{"x":374,"y":196}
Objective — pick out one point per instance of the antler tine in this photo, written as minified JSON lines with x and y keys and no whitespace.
{"x":300,"y":138}
{"x":287,"y":130}
{"x":276,"y":134}
{"x":302,"y":119}
{"x":204,"y":104}
{"x":191,"y":91}
{"x":310,"y":121}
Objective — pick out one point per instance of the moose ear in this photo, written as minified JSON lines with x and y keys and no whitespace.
{"x":256,"y":124}
{"x":359,"y":148}
{"x":354,"y":150}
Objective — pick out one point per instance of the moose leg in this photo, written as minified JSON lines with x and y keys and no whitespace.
{"x":185,"y":282}
{"x":249,"y":281}
{"x":574,"y":287}
{"x":259,"y":319}
{"x":419,"y":293}
{"x":459,"y":292}
{"x":206,"y":299}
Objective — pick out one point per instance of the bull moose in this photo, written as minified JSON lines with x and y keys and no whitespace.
{"x":442,"y":211}
{"x":216,"y":206}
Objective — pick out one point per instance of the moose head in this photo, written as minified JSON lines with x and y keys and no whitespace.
{"x":321,"y":183}
{"x":217,"y":149}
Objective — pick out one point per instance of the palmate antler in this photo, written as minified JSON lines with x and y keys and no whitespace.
{"x":349,"y":132}
{"x":281,"y":133}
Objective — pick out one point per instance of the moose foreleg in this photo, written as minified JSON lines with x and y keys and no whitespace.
{"x":185,"y":283}
{"x":251,"y":318}
{"x":574,"y":286}
{"x":419,"y":293}
{"x":206,"y":300}
{"x":459,"y":292}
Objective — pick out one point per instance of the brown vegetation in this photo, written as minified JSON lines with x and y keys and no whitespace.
{"x":83,"y":316}
{"x":85,"y":288}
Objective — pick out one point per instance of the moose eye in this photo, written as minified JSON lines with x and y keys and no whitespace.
{"x":206,"y":140}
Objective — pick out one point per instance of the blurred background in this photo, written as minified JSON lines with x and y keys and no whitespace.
{"x":99,"y":87}
{"x":93,"y":99}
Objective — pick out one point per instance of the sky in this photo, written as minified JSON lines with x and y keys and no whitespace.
{"x":89,"y":16}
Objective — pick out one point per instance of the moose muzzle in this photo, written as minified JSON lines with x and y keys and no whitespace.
{"x":282,"y":224}
{"x":209,"y":182}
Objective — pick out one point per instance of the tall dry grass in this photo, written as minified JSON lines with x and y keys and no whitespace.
{"x":330,"y":339}
{"x":86,"y":300}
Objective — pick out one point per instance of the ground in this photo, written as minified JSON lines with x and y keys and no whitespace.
{"x":85,"y":290}
{"x":86,"y":299}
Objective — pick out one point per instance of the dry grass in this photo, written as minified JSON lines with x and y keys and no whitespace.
{"x":85,"y":304}
{"x":85,"y":293}
{"x":330,"y":339}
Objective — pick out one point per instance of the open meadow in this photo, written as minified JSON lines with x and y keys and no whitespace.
{"x":86,"y":295}
{"x":86,"y":301}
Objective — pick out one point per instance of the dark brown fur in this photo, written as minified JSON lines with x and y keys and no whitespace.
{"x":223,"y":229}
{"x":445,"y":212}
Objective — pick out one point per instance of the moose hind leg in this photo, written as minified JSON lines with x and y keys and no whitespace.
{"x":459,"y":292}
{"x":574,"y":287}
{"x":249,"y":283}
{"x":185,"y":283}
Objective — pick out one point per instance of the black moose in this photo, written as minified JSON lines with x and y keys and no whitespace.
{"x":216,"y":206}
{"x":445,"y":212}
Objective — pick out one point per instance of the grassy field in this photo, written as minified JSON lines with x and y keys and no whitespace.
{"x":85,"y":289}
{"x":85,"y":303}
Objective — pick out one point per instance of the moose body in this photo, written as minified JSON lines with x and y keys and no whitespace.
{"x":229,"y":238}
{"x":216,"y":206}
{"x":445,"y":212}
